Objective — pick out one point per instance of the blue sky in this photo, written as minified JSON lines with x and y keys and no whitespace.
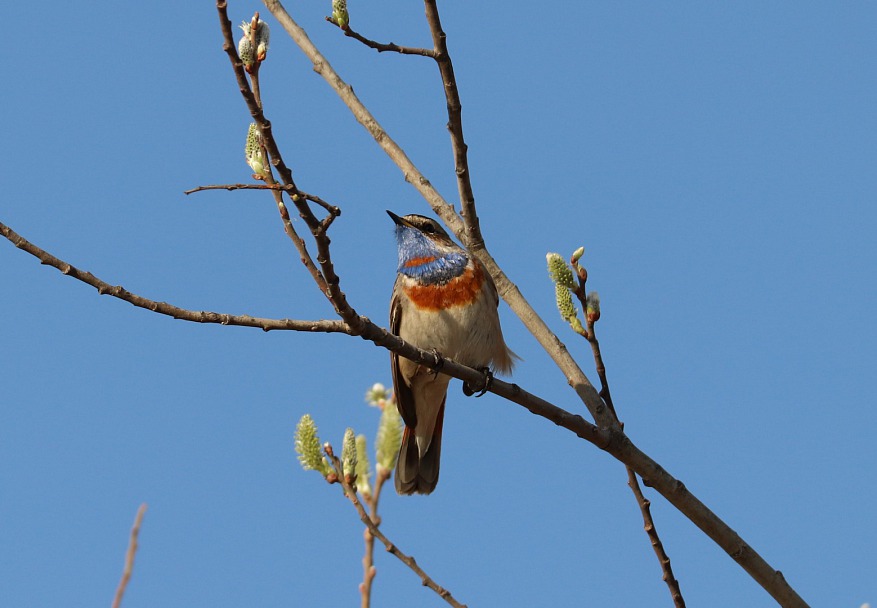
{"x":717,"y":162}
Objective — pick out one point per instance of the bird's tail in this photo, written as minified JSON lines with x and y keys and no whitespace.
{"x":415,"y":472}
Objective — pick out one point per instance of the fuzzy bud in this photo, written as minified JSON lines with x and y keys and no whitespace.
{"x":307,"y":446}
{"x":253,"y":47}
{"x":389,"y":437}
{"x":348,"y":453}
{"x":245,"y":50}
{"x":564,"y":302}
{"x":376,"y":395}
{"x":592,"y":302}
{"x":559,"y":271}
{"x":254,"y":152}
{"x":362,"y":466}
{"x":340,"y":14}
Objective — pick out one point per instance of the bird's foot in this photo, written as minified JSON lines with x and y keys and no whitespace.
{"x":488,"y":380}
{"x":439,"y":361}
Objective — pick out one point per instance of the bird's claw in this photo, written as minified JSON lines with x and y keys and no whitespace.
{"x":488,"y":380}
{"x":439,"y":361}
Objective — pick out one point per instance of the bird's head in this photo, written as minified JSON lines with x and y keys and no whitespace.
{"x":424,"y":245}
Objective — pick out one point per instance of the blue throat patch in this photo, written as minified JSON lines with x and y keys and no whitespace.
{"x":420,"y":259}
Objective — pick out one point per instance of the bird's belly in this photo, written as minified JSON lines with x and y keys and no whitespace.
{"x":467,"y":334}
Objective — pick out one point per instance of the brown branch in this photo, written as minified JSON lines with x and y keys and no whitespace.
{"x":473,"y":238}
{"x":368,"y":567}
{"x":253,"y":104}
{"x":613,"y":441}
{"x":657,"y":545}
{"x":591,"y":318}
{"x":332,"y":209}
{"x":231,"y":187}
{"x":129,"y":557}
{"x":380,"y":47}
{"x":507,"y":290}
{"x":117,"y":291}
{"x":617,"y":443}
{"x":328,"y":281}
{"x":372,"y":527}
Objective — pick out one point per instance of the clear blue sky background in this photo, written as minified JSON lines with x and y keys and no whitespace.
{"x":717,"y":162}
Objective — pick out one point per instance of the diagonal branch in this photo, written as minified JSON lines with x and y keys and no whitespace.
{"x":129,"y":557}
{"x":332,"y":209}
{"x":592,"y":315}
{"x":473,"y":239}
{"x":657,"y":545}
{"x":507,"y":290}
{"x":163,"y":308}
{"x":612,"y":441}
{"x":409,"y":561}
{"x":329,"y":282}
{"x":380,"y":47}
{"x":619,"y":445}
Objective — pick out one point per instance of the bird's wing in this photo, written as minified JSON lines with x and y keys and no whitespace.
{"x":404,"y":396}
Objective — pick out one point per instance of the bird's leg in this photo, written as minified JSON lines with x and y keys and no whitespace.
{"x":488,"y":380}
{"x":439,"y":361}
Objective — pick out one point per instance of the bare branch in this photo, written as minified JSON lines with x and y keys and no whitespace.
{"x":409,"y":561}
{"x":613,"y":440}
{"x":129,"y":557}
{"x":368,"y":562}
{"x":327,"y":279}
{"x":657,"y":545}
{"x":253,"y":104}
{"x":381,"y":47}
{"x":117,"y":291}
{"x":231,"y":187}
{"x":591,"y":317}
{"x":619,"y":445}
{"x":473,"y":239}
{"x":507,"y":290}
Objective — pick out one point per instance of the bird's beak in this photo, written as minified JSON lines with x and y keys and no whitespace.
{"x":399,"y":221}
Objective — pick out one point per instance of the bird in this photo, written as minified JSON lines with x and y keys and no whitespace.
{"x":445,"y":301}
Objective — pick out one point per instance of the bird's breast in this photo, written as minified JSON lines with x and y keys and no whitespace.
{"x":459,"y":291}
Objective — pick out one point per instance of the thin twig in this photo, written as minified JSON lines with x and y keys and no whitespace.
{"x":368,"y":562}
{"x":613,"y":441}
{"x":252,"y":97}
{"x":254,"y":69}
{"x":409,"y":561}
{"x":380,"y":47}
{"x":231,"y":187}
{"x":328,"y":281}
{"x":657,"y":545}
{"x":332,"y":209}
{"x":473,"y":239}
{"x":129,"y":557}
{"x":591,"y":318}
{"x":117,"y":291}
{"x":506,"y":289}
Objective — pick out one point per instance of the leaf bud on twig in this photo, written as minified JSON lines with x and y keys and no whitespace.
{"x":592,"y":302}
{"x":363,"y":472}
{"x":348,"y":453}
{"x":255,"y":153}
{"x":340,"y":14}
{"x":377,"y":395}
{"x":389,"y":437}
{"x":253,"y":47}
{"x":307,"y":446}
{"x":567,"y":309}
{"x":559,"y":271}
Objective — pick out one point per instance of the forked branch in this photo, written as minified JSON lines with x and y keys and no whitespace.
{"x":391,"y":547}
{"x":619,"y":445}
{"x":612,"y":441}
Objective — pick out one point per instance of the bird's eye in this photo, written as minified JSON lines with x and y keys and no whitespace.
{"x":428,"y":228}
